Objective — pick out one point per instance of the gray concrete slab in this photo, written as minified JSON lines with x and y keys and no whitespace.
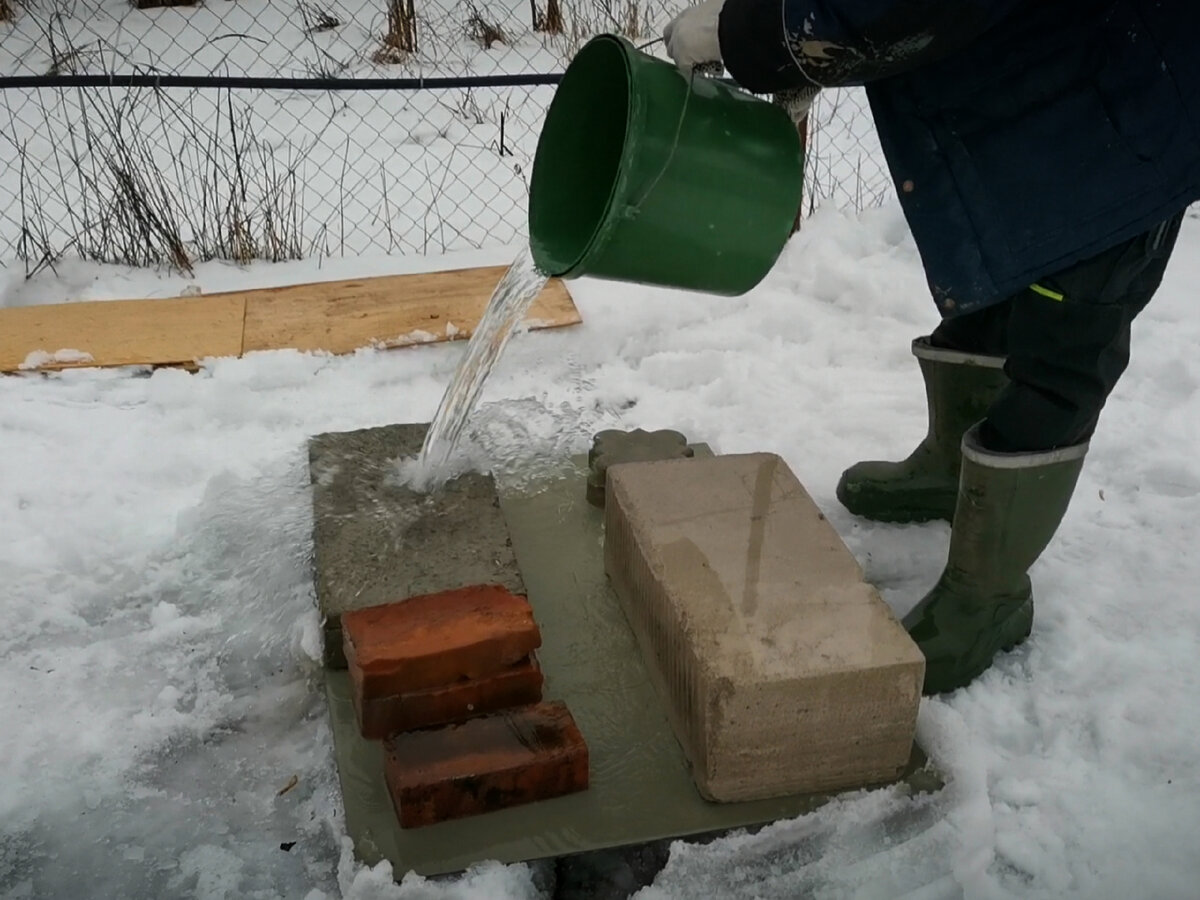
{"x":376,"y":540}
{"x":641,"y":785}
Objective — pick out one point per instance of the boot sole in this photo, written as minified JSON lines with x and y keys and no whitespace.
{"x":941,"y":508}
{"x":903,"y":517}
{"x":1016,"y":630}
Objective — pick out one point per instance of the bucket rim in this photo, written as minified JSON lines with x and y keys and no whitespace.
{"x":604,"y":222}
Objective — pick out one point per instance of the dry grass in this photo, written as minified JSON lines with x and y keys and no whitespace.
{"x":8,"y":11}
{"x":65,"y":57}
{"x":400,"y":39}
{"x":317,"y":18}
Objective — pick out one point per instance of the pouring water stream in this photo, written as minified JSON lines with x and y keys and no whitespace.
{"x":506,"y":308}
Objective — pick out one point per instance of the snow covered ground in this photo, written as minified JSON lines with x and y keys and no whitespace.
{"x":163,"y":731}
{"x":160,"y":642}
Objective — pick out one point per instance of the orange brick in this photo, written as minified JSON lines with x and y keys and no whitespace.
{"x":482,"y":765}
{"x":518,"y":685}
{"x":434,"y":640}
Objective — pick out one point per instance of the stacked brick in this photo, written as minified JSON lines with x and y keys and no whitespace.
{"x":450,"y":683}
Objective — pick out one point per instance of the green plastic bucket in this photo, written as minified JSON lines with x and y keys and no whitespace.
{"x":646,"y":174}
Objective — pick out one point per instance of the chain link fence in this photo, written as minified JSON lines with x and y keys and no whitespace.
{"x":144,"y":133}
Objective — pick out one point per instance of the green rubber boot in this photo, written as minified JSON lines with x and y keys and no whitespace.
{"x":959,"y":388}
{"x":1009,"y":506}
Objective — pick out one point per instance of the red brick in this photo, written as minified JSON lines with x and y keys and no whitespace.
{"x":518,"y":685}
{"x":434,"y":640}
{"x":515,"y":757}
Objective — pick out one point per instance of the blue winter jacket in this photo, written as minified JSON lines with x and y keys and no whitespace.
{"x":1023,"y":136}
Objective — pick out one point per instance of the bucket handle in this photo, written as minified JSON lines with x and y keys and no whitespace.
{"x":711,"y":69}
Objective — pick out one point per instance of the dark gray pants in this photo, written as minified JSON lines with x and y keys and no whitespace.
{"x":1064,"y":356}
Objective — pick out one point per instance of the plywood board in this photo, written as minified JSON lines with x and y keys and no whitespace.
{"x":333,"y":316}
{"x":121,"y":332}
{"x":395,"y":311}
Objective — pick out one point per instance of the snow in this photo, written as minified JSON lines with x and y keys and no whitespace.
{"x":38,"y":358}
{"x":164,"y":731}
{"x":161,"y":648}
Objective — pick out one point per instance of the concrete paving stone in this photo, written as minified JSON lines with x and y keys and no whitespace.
{"x":613,"y":447}
{"x":782,"y":669}
{"x":517,"y":685}
{"x":515,"y":757}
{"x":376,"y":539}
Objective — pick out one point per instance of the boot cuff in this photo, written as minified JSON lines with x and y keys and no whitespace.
{"x":973,"y":449}
{"x":922,"y":349}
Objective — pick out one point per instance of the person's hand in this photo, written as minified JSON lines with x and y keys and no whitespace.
{"x":691,"y":37}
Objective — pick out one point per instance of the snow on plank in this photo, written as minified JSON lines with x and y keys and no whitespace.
{"x":175,"y":331}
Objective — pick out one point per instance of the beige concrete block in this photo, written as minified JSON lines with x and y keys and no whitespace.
{"x":783,"y":670}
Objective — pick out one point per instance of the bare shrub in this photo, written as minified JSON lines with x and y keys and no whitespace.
{"x":8,"y":11}
{"x":119,"y":206}
{"x":248,"y":203}
{"x":141,"y":180}
{"x":633,"y":22}
{"x":584,"y":19}
{"x":482,"y":31}
{"x":400,"y":39}
{"x":550,"y":21}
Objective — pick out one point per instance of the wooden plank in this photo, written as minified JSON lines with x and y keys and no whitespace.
{"x":393,"y":311}
{"x":333,"y":316}
{"x":176,"y":331}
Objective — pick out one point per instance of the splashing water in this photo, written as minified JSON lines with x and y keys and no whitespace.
{"x":510,"y":301}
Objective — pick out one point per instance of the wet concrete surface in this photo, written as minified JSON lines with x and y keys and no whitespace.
{"x":613,"y":838}
{"x":376,"y":540}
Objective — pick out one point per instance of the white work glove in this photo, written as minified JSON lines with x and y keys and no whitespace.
{"x":693,"y":43}
{"x":691,"y":37}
